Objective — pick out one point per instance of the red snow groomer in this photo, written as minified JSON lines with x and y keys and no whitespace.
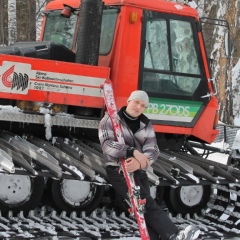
{"x":51,"y":89}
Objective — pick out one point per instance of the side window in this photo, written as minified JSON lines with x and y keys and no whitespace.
{"x":183,"y":49}
{"x":171,"y":63}
{"x":107,"y":30}
{"x":156,"y":51}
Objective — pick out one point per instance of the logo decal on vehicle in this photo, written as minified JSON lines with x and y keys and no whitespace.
{"x":15,"y":77}
{"x":20,"y":81}
{"x":20,"y":78}
{"x":7,"y":77}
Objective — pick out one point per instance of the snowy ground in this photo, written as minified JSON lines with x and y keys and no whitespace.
{"x":219,"y":157}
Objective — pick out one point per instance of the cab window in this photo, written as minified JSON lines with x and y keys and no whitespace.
{"x":170,"y":61}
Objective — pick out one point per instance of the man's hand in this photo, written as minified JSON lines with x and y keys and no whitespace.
{"x":142,"y":158}
{"x":132,"y":164}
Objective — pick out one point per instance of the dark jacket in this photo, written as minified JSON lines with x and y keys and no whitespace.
{"x":143,"y":140}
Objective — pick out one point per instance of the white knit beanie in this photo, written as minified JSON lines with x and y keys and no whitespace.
{"x":140,"y":95}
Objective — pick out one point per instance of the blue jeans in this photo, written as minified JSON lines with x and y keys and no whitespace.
{"x":158,"y":223}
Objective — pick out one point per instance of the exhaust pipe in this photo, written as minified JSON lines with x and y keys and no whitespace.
{"x":89,"y":31}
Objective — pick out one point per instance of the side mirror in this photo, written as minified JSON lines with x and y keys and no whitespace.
{"x":226,"y":29}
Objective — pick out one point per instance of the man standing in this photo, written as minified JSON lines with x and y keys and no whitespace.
{"x":140,"y":151}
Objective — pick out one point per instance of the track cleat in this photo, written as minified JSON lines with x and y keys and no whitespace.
{"x":189,"y":233}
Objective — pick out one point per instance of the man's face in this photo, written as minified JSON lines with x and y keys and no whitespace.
{"x":135,"y":107}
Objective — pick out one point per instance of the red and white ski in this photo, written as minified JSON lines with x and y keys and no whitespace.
{"x":133,"y":190}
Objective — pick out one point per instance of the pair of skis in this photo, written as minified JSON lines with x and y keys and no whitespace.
{"x":133,"y":190}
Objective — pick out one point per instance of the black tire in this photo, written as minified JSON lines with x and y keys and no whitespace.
{"x":89,"y":202}
{"x":179,"y":200}
{"x":30,"y":200}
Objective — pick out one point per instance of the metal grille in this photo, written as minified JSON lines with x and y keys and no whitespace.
{"x":227,"y":133}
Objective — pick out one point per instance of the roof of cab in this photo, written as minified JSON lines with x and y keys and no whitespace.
{"x":163,"y":5}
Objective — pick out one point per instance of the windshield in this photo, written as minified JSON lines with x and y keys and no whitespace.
{"x":170,"y":59}
{"x":61,"y":30}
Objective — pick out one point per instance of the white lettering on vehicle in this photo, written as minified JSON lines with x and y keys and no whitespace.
{"x":167,"y":109}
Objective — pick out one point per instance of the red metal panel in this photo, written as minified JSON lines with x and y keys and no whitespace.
{"x":160,"y":5}
{"x":51,"y":81}
{"x":58,"y":4}
{"x":203,"y":129}
{"x":126,"y":55}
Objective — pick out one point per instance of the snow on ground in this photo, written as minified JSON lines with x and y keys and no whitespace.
{"x":219,"y":157}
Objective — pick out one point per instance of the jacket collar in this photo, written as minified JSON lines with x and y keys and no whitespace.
{"x":142,"y":117}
